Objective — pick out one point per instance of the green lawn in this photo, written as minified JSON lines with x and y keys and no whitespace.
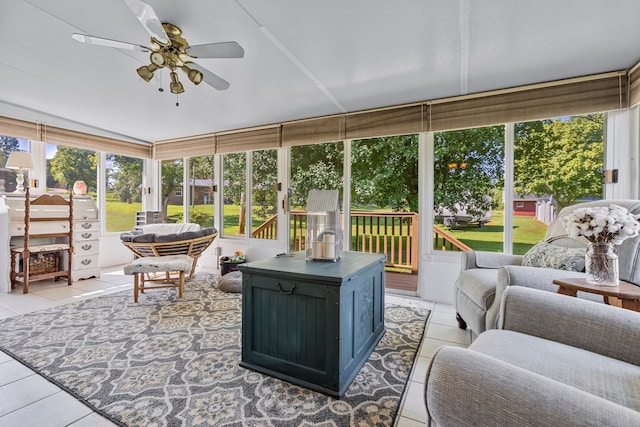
{"x":527,"y":232}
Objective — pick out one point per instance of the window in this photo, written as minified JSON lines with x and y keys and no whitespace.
{"x":384,"y":199}
{"x":66,"y":165}
{"x":234,"y":171}
{"x":557,"y":162}
{"x":468,"y":182}
{"x":264,"y":195}
{"x":8,"y":176}
{"x":172,"y":178}
{"x":201,"y":187}
{"x":314,"y":166}
{"x":123,"y":192}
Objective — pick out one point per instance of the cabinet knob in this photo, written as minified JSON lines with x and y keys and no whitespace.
{"x":85,"y":262}
{"x":86,"y":247}
{"x":86,"y":225}
{"x":86,"y":235}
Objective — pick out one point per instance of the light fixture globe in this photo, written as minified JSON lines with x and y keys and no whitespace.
{"x":146,"y":72}
{"x":195,"y":76}
{"x":175,"y":85}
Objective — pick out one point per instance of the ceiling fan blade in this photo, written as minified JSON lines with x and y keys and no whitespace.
{"x":217,"y":50}
{"x":99,"y":41}
{"x":149,"y":20}
{"x":212,"y":79}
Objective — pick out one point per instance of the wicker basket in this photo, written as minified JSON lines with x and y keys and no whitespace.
{"x":45,"y":262}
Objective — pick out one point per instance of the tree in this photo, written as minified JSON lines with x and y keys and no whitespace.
{"x":316,"y":166}
{"x":384,"y":172}
{"x":468,"y":166}
{"x":264,"y":170}
{"x":74,"y":164}
{"x":7,"y":145}
{"x":125,"y":177}
{"x":172,"y":172}
{"x":560,"y":158}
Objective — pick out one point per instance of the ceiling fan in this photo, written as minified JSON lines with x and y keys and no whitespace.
{"x":169,"y":49}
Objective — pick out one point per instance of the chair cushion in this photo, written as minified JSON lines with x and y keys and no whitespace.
{"x":231,"y":282}
{"x":593,"y":373}
{"x":479,"y":285}
{"x":549,"y":255}
{"x":154,"y":264}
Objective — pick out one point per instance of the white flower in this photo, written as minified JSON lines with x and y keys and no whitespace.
{"x":606,"y":224}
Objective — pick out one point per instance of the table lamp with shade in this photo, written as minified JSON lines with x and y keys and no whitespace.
{"x":20,"y":160}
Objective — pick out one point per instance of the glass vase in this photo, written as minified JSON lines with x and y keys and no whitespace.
{"x":601,"y":264}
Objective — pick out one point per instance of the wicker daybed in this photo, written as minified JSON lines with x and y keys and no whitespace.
{"x":191,"y":243}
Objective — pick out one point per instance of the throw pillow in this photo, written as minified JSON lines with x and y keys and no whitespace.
{"x":548,"y":255}
{"x":231,"y":282}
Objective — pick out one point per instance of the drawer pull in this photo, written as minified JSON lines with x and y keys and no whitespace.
{"x":289,"y":292}
{"x":86,"y":225}
{"x":85,"y":262}
{"x":86,"y":247}
{"x":86,"y":235}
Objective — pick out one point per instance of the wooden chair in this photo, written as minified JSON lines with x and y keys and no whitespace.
{"x":48,"y":234}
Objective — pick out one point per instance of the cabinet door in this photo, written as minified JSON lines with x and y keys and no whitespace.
{"x":291,"y":327}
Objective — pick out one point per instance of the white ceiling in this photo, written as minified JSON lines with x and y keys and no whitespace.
{"x":344,"y":55}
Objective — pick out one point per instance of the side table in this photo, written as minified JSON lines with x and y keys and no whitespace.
{"x":625,"y":295}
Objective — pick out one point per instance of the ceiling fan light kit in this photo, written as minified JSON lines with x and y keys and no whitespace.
{"x":169,"y":49}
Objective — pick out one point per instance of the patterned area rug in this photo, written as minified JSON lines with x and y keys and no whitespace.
{"x":171,"y":362}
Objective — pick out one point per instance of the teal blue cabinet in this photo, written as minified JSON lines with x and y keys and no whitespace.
{"x":312,"y":323}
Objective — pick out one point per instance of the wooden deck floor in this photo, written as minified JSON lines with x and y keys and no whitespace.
{"x":401,"y":281}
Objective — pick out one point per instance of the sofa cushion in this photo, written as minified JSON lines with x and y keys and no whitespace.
{"x":549,"y":255}
{"x":593,"y":373}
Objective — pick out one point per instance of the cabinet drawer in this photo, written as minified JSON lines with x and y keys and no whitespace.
{"x":45,"y":227}
{"x":81,"y":262}
{"x":86,"y":247}
{"x":80,"y":236}
{"x":86,"y":226}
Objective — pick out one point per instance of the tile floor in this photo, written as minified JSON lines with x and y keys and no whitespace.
{"x":26,"y":399}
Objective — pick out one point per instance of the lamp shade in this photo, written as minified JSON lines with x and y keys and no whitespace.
{"x":20,"y":160}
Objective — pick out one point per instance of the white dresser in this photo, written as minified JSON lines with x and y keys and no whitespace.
{"x":86,"y":231}
{"x":86,"y":239}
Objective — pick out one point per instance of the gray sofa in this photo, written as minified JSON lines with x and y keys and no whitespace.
{"x":554,"y":361}
{"x":485,"y":275}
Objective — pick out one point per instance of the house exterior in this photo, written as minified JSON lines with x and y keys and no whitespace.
{"x":201,"y":193}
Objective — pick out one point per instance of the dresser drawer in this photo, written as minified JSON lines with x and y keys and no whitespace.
{"x":44,"y":227}
{"x":86,"y":226}
{"x":80,"y":236}
{"x":81,"y":262}
{"x":86,"y":247}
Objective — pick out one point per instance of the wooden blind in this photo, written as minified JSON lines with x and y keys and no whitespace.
{"x":249,"y":139}
{"x":19,"y":128}
{"x":589,"y":94}
{"x":72,"y":138}
{"x":40,"y":132}
{"x":313,"y":131}
{"x":202,"y":145}
{"x":575,"y":96}
{"x":390,"y":121}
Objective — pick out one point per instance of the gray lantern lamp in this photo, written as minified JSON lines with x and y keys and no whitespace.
{"x":324,"y":233}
